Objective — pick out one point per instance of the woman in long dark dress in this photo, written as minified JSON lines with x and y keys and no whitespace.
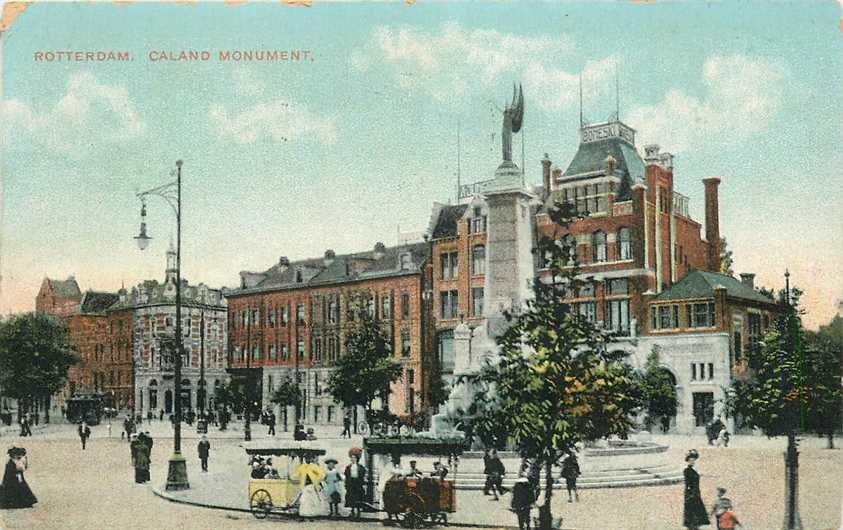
{"x":14,"y":491}
{"x":695,"y":514}
{"x":355,"y":476}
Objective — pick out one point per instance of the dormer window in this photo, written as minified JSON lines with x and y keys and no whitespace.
{"x":406,"y":261}
{"x":477,"y":224}
{"x":298,"y":276}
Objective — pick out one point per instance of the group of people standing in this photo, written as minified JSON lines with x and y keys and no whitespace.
{"x":141,"y":450}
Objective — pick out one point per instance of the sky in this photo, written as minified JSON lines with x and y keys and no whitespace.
{"x":348,"y":148}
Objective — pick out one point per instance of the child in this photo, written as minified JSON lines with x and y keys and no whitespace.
{"x":727,"y":520}
{"x":720,"y":505}
{"x":723,"y":438}
{"x":332,"y":486}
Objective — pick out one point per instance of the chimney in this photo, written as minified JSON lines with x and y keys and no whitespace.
{"x":329,"y":257}
{"x":666,"y":161}
{"x":283,"y":263}
{"x":748,"y":279}
{"x":380,"y":250}
{"x":712,"y":222}
{"x":651,"y":154}
{"x":546,"y":175}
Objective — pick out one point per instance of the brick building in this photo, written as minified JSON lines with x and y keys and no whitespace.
{"x":290,"y":322}
{"x":58,"y":297}
{"x":649,"y":263}
{"x":88,"y":332}
{"x":142,"y":334}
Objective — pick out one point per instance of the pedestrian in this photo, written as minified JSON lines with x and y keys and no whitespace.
{"x":665,"y":424}
{"x":439,"y":471}
{"x":142,"y":459}
{"x":298,"y":433}
{"x":570,"y":472}
{"x":332,"y":482}
{"x":694,"y":514}
{"x":14,"y":491}
{"x":161,"y":415}
{"x":720,"y":505}
{"x":270,"y":421}
{"x":727,"y":519}
{"x":149,"y":415}
{"x":108,"y":428}
{"x":522,"y":499}
{"x":147,"y":439}
{"x":84,"y":433}
{"x":346,"y":426}
{"x":310,"y":476}
{"x":22,"y":422}
{"x":496,"y":472}
{"x":723,"y":437}
{"x":486,"y":471}
{"x":355,"y":476}
{"x":203,"y":449}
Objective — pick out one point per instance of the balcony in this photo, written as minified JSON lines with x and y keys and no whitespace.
{"x":680,"y":205}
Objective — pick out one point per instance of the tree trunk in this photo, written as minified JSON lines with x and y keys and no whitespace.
{"x":545,"y":515}
{"x":830,"y":444}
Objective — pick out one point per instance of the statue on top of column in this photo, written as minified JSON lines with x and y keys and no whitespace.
{"x":513,"y":116}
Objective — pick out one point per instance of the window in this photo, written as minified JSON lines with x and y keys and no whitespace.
{"x":478,"y":260}
{"x":406,"y":261}
{"x":255,"y":317}
{"x":317,"y":414}
{"x":569,"y":243}
{"x":270,"y":317}
{"x":316,"y":349}
{"x":588,"y":310}
{"x":598,"y":246}
{"x":285,"y":352}
{"x":700,"y":315}
{"x":299,"y":349}
{"x":711,"y":370}
{"x":406,"y":343}
{"x":386,"y":306}
{"x":664,"y":316}
{"x":273,"y":352}
{"x":256,"y":352}
{"x":330,"y":413}
{"x":618,"y":286}
{"x":587,"y":199}
{"x":693,"y":371}
{"x":477,"y":224}
{"x":333,"y":311}
{"x":754,"y":335}
{"x":617,"y":314}
{"x":370,"y":306}
{"x":476,"y":301}
{"x":449,"y":304}
{"x":405,"y":306}
{"x":448,"y":263}
{"x":624,"y":250}
{"x":299,"y":278}
{"x":316,"y":384}
{"x":299,"y":314}
{"x":285,"y":315}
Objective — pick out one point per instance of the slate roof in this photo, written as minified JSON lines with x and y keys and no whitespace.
{"x":343,"y":268}
{"x":701,"y":284}
{"x":97,"y":302}
{"x":591,"y":158}
{"x":65,"y":288}
{"x":446,"y":224}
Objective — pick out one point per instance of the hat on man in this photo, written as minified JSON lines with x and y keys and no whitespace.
{"x":693,"y":454}
{"x":331,"y":459}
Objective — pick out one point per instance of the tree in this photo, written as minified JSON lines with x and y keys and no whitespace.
{"x":823,"y":365}
{"x":726,"y":260}
{"x":230,"y":396}
{"x":658,"y":392}
{"x":288,"y":394}
{"x":555,"y":384}
{"x":367,"y":369}
{"x":776,"y":395}
{"x":35,"y":355}
{"x":438,"y":391}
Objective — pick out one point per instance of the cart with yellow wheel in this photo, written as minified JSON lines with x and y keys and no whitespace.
{"x":278,"y":494}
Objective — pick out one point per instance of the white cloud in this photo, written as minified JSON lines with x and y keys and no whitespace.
{"x":446,"y":62}
{"x":89,"y":113}
{"x":742,"y":96}
{"x":278,"y":121}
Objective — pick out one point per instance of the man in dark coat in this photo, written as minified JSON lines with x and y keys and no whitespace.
{"x":495,"y":474}
{"x":84,"y":433}
{"x":522,"y":500}
{"x":346,"y":426}
{"x":203,"y":449}
{"x":270,"y":421}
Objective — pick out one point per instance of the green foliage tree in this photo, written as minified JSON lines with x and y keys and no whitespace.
{"x":555,"y":384}
{"x":288,"y":394}
{"x":35,"y":354}
{"x":367,"y":369}
{"x":726,"y":258}
{"x":230,"y":396}
{"x":823,"y":366}
{"x":658,"y":392}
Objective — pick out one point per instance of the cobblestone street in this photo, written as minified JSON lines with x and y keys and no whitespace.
{"x":94,"y":489}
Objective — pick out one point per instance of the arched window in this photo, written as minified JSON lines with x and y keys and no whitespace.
{"x":598,"y":246}
{"x":624,"y":250}
{"x":478,"y":260}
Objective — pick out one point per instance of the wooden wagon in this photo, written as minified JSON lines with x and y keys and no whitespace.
{"x":278,"y":495}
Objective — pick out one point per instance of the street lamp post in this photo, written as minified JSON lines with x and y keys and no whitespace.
{"x":171,"y":192}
